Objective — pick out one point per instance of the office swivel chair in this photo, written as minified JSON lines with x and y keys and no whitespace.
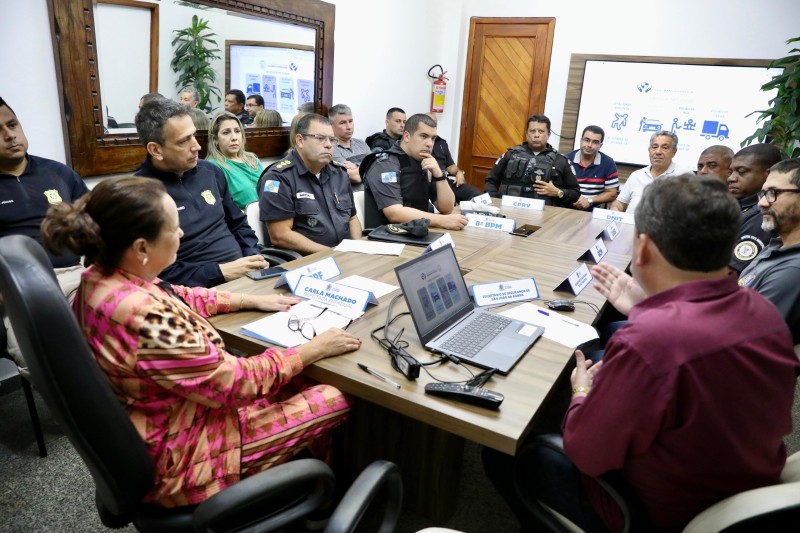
{"x":772,"y":508}
{"x":82,"y":402}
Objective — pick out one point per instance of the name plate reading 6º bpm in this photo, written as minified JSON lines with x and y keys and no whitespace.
{"x":577,"y":280}
{"x":613,"y":216}
{"x":493,"y":223}
{"x":535,"y":204}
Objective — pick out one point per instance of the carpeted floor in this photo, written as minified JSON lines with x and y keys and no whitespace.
{"x":56,"y":493}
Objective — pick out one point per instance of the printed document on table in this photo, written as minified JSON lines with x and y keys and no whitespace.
{"x":557,"y":327}
{"x":378,"y":288}
{"x":275,"y":328}
{"x":370,"y":247}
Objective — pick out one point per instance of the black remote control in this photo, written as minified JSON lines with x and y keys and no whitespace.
{"x":466,"y":393}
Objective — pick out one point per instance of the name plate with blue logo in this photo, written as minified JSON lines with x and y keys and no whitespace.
{"x":535,"y":204}
{"x":595,"y":253}
{"x":610,"y":233}
{"x":492,"y":223}
{"x":347,"y":301}
{"x":444,"y":240}
{"x":613,"y":216}
{"x":482,"y":199}
{"x":515,"y":290}
{"x":577,"y":280}
{"x":324,"y":269}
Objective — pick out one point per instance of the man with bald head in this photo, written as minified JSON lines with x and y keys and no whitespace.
{"x":716,"y":161}
{"x":749,"y":171}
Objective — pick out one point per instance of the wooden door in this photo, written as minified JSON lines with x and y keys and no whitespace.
{"x":508,"y":63}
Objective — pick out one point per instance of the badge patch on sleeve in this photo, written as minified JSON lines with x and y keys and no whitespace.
{"x":745,"y":251}
{"x":52,"y":196}
{"x":747,"y":280}
{"x":306,"y":195}
{"x":272,"y":185}
{"x":208,"y":196}
{"x":389,"y":177}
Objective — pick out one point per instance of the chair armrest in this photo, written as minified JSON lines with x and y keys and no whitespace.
{"x":749,"y":504}
{"x":378,"y":476}
{"x":791,"y":470}
{"x":282,"y":253}
{"x":268,"y":500}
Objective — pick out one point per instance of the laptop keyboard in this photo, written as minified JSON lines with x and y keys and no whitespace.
{"x":477,"y":334}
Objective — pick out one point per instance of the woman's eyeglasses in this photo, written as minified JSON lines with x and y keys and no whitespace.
{"x":303,"y":325}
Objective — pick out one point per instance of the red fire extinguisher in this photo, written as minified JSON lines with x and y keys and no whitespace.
{"x":438,"y":90}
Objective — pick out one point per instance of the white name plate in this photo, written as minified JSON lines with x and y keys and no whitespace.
{"x":515,"y":290}
{"x":483,"y":199}
{"x":348,"y":301}
{"x":610,"y":233}
{"x":577,"y":280}
{"x":535,"y":204}
{"x":444,"y":240}
{"x":493,"y":223}
{"x":324,"y":269}
{"x":595,"y":253}
{"x":613,"y":216}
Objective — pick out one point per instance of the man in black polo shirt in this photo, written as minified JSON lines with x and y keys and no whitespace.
{"x":401,"y":180}
{"x":217,"y":245}
{"x":395,"y":124}
{"x":234,"y":103}
{"x":29,"y":185}
{"x":307,"y":202}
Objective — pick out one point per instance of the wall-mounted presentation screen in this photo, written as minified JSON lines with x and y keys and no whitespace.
{"x":702,"y":104}
{"x":283,"y":75}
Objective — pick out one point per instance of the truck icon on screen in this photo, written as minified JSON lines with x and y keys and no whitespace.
{"x":713,"y":128}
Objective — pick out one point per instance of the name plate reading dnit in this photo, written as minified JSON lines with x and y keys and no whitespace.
{"x":610,"y":233}
{"x":515,"y":290}
{"x":345,"y":300}
{"x":613,"y":216}
{"x":535,"y":204}
{"x":577,"y":280}
{"x":444,"y":240}
{"x":324,"y":269}
{"x":493,"y":223}
{"x":482,"y":199}
{"x":595,"y":253}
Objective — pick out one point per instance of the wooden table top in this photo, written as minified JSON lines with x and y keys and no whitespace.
{"x":548,"y":255}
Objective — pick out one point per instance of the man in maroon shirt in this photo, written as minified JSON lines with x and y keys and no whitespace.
{"x":694,"y":395}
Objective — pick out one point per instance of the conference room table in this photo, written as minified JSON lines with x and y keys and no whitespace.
{"x":426,"y":432}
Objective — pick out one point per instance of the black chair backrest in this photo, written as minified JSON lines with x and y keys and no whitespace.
{"x":66,"y":375}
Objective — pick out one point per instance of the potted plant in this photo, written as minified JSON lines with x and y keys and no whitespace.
{"x":781,"y":122}
{"x":192,"y":60}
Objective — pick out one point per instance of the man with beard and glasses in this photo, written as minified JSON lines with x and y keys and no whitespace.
{"x":775,"y":272}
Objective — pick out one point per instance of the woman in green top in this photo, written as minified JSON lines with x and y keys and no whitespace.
{"x":226,"y":150}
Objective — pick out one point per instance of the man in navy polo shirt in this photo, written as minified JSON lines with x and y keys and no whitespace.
{"x":596,"y":172}
{"x":217,"y":244}
{"x":29,"y":185}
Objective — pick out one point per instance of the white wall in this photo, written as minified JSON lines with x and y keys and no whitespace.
{"x":384,"y":49}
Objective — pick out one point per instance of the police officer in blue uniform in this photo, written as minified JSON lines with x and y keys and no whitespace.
{"x":534,"y":169}
{"x":307,"y":202}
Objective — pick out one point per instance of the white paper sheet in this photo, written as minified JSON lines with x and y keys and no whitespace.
{"x":275,"y":328}
{"x":557,"y":327}
{"x":378,"y":288}
{"x":370,"y":247}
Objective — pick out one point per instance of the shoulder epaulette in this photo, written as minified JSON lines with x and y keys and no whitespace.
{"x":279,"y":166}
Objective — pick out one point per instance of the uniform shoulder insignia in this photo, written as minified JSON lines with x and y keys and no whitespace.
{"x":283,"y":164}
{"x":381,"y":156}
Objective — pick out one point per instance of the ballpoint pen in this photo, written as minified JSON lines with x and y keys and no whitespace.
{"x":378,"y":375}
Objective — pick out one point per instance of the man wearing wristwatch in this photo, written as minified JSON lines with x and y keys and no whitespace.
{"x":534,"y":169}
{"x":596,"y":172}
{"x":400,"y":181}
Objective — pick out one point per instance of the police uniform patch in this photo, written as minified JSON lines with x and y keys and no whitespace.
{"x":284,"y":163}
{"x":306,"y":195}
{"x":52,"y":196}
{"x":272,"y":185}
{"x":389,"y":177}
{"x":747,"y":280}
{"x":208,"y":196}
{"x":312,"y":221}
{"x":745,"y":251}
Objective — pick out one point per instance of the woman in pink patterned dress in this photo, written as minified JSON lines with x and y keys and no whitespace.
{"x":208,"y":418}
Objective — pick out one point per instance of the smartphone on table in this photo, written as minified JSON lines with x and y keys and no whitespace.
{"x":264,"y":273}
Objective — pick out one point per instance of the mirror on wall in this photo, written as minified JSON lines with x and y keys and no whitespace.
{"x":112,"y":52}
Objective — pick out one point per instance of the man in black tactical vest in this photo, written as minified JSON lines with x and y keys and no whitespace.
{"x":395,"y":123}
{"x":400,"y":181}
{"x":534,"y":169}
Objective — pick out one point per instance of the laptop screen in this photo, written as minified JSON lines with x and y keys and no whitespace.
{"x":434,"y":290}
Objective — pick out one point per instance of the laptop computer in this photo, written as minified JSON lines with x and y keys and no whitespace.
{"x":447,"y":321}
